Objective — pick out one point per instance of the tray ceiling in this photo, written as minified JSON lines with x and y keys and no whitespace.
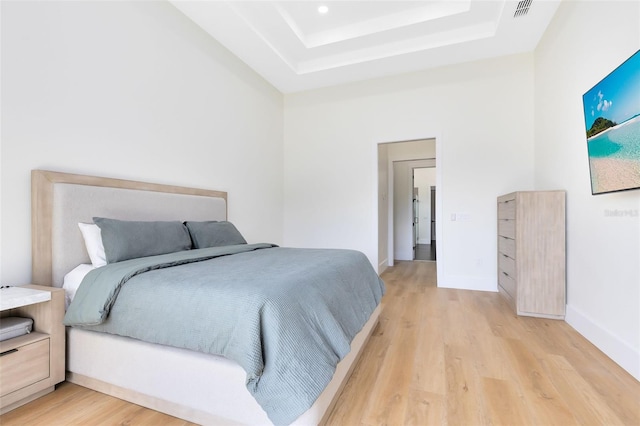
{"x":296,"y":47}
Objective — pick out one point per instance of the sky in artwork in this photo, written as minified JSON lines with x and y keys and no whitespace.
{"x":617,"y":96}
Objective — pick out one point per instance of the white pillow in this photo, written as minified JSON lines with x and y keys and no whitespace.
{"x":73,"y":280}
{"x":93,"y":241}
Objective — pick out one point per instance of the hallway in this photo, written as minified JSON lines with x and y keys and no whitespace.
{"x":426,"y":251}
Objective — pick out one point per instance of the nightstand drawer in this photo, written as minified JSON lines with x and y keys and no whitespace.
{"x":23,"y":366}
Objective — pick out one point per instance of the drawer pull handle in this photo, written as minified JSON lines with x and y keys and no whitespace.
{"x":8,"y":352}
{"x":505,"y":273}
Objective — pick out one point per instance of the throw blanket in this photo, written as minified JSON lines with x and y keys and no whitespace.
{"x":287,"y":316}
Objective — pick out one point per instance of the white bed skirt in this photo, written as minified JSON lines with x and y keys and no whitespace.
{"x":197,"y":387}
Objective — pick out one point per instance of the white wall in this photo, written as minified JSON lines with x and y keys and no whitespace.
{"x":132,"y":90}
{"x":586,"y":41}
{"x":481,"y":115}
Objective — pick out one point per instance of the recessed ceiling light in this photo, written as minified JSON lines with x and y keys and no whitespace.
{"x":323,"y":9}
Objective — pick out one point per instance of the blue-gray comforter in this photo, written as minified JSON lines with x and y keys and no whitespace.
{"x":287,"y":316}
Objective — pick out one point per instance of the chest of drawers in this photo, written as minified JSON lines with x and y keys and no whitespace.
{"x":531,"y":252}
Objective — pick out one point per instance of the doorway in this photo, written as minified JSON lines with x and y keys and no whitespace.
{"x":396,"y":161}
{"x":424,"y":221}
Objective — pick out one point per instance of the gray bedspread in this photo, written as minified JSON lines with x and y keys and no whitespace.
{"x":286,"y":315}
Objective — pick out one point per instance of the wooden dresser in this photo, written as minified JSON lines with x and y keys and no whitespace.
{"x":531,"y":252}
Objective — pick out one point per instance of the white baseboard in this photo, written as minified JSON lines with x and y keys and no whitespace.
{"x":618,"y":350}
{"x":382,"y":266}
{"x":466,"y":282}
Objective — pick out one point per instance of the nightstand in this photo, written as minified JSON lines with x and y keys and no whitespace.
{"x":31,"y":365}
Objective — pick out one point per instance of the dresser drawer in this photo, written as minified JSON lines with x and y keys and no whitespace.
{"x":507,"y":246}
{"x":507,"y":283}
{"x":23,"y":366}
{"x":507,"y":209}
{"x":507,"y":265}
{"x":507,"y":228}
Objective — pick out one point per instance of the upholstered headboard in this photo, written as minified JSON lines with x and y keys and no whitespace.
{"x":59,"y":201}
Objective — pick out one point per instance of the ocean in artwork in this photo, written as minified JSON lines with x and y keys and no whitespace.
{"x":614,"y":157}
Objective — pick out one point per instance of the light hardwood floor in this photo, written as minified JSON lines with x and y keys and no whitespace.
{"x":438,"y":357}
{"x":458,"y":357}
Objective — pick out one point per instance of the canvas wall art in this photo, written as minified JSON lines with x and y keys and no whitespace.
{"x":612,"y":118}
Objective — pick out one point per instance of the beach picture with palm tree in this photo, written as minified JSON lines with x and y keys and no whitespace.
{"x":612,"y":118}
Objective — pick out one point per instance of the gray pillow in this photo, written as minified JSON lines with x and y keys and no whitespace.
{"x":124,"y":240}
{"x":214,"y":234}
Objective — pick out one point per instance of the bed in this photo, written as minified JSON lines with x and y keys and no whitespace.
{"x":200,"y":387}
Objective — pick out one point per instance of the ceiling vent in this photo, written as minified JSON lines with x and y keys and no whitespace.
{"x":522,"y":8}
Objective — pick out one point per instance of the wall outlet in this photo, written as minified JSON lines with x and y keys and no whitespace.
{"x":463,"y":217}
{"x":460,"y":217}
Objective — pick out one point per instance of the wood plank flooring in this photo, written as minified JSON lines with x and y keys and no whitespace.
{"x":438,"y":357}
{"x":455,"y":357}
{"x":75,"y":405}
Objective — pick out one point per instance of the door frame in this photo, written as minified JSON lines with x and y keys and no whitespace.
{"x":384,"y":260}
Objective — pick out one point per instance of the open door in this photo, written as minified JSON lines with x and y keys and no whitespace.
{"x":433,"y":222}
{"x":416,"y":220}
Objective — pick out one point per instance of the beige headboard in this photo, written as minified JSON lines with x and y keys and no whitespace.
{"x":60,"y":200}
